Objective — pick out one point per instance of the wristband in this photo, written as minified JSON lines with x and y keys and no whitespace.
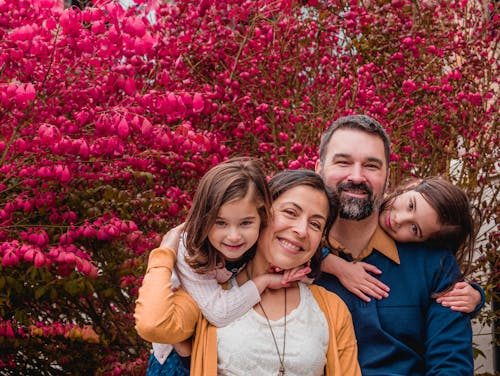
{"x":324,"y":252}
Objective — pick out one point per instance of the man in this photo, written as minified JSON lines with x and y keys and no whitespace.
{"x":406,"y":332}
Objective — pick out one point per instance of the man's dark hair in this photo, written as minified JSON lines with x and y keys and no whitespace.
{"x":362,"y":123}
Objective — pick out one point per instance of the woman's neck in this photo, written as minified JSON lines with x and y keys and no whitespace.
{"x":255,"y":267}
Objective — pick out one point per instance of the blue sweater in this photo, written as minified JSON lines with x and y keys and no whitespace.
{"x":408,"y":333}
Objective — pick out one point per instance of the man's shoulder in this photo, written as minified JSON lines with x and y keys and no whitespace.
{"x":422,"y":250}
{"x":437,"y":262}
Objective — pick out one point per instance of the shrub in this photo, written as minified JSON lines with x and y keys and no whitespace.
{"x":108,"y":120}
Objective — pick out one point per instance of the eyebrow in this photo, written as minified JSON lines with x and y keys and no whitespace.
{"x":369,"y":159}
{"x":241,"y":219}
{"x":300,"y":208}
{"x":340,"y":155}
{"x":419,"y":230}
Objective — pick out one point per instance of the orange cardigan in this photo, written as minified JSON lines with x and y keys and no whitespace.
{"x":164,"y":316}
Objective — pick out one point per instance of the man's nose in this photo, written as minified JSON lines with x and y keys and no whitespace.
{"x":356,"y":174}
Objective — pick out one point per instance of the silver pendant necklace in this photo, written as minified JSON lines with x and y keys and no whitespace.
{"x":281,"y":357}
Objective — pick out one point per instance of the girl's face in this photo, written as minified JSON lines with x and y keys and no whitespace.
{"x":296,"y":228}
{"x":236,"y":228}
{"x":409,"y":218}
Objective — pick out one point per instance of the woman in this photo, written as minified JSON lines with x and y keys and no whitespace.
{"x":285,"y":333}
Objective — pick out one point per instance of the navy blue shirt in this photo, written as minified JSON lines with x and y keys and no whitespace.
{"x":408,"y":333}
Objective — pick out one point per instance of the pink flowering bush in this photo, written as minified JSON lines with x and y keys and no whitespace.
{"x":108,"y":119}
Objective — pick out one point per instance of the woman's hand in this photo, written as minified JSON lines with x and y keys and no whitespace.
{"x":462,"y":298}
{"x":171,"y":238}
{"x":355,"y":277}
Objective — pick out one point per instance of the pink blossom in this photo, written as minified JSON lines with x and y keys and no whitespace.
{"x":83,"y":266}
{"x":69,"y":22}
{"x":409,"y":86}
{"x":29,"y":255}
{"x":135,"y":26}
{"x":146,"y":128}
{"x":26,"y":32}
{"x":25,"y":93}
{"x":198,"y":103}
{"x":39,"y":260}
{"x":48,"y":134}
{"x":10,"y":258}
{"x":8,"y":331}
{"x":130,"y":86}
{"x":283,"y":136}
{"x":122,"y":128}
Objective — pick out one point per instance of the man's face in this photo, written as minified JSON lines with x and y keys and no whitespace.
{"x":356,"y":168}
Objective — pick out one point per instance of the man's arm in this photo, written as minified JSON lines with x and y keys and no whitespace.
{"x":449,"y":333}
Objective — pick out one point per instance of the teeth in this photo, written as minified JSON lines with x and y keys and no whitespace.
{"x":289,"y":245}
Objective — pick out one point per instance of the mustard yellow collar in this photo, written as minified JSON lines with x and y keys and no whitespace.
{"x":379,"y":241}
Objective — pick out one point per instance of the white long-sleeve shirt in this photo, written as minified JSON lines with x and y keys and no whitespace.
{"x":220,"y":307}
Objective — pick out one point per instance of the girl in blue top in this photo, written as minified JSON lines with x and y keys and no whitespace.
{"x":431,"y":210}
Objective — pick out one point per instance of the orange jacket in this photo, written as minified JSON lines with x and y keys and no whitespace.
{"x":164,"y":316}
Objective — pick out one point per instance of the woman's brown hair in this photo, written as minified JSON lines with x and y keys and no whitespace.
{"x":228,"y":181}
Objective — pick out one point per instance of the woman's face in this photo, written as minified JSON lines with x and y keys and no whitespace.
{"x":296,"y":228}
{"x":410,"y":218}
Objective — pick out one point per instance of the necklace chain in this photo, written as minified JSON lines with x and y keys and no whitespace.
{"x":281,"y":357}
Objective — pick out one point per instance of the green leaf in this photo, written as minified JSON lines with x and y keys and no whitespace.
{"x":72,"y":287}
{"x":40,"y":292}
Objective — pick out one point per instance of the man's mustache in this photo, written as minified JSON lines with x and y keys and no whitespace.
{"x":352,"y":186}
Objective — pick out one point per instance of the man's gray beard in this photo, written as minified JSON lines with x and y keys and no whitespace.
{"x":356,"y":209}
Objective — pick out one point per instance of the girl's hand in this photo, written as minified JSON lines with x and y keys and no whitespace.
{"x":296,"y":274}
{"x":171,"y":238}
{"x":275,"y":279}
{"x":355,"y":277}
{"x":462,"y":298}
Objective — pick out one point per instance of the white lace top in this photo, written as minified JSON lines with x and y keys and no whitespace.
{"x":246,"y":347}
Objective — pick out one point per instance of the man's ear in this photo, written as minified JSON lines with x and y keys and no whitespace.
{"x":318,"y":166}
{"x":387,"y":181}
